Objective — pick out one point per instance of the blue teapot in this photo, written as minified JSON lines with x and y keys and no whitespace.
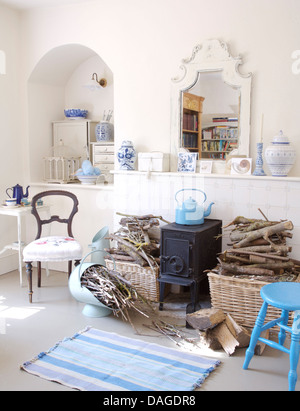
{"x":17,"y":192}
{"x":189,"y":212}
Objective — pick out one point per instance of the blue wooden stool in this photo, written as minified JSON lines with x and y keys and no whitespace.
{"x":285,"y":296}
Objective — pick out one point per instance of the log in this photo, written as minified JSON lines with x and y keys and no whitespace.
{"x":241,"y":334}
{"x":258,"y":254}
{"x":222,"y":333}
{"x":264,"y":233}
{"x":240,"y":220}
{"x":209,"y":340}
{"x":130,"y":249}
{"x":245,"y":270}
{"x":205,"y":318}
{"x":121,"y":257}
{"x":278,"y":249}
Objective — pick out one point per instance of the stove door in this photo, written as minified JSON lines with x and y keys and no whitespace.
{"x":176,"y":258}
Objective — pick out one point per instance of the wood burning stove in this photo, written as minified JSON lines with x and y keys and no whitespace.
{"x":186,"y":252}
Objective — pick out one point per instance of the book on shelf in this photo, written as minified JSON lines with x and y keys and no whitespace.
{"x":217,"y":119}
{"x":219,"y":132}
{"x":190,"y":122}
{"x":189,"y":140}
{"x":224,"y":119}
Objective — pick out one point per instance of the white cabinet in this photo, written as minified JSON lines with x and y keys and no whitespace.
{"x":103,"y":156}
{"x":77,"y":134}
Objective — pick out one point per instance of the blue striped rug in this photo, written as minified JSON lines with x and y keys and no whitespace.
{"x":95,"y":360}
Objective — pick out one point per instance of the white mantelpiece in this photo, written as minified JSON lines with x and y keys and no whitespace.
{"x":278,"y":198}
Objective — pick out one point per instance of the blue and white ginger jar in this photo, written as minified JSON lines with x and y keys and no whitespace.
{"x":280,"y":156}
{"x":126,"y":156}
{"x":104,"y":131}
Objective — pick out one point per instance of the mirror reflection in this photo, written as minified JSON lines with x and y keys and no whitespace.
{"x":210,"y":116}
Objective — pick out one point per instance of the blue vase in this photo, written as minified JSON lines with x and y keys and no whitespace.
{"x":126,"y":156}
{"x":259,"y":171}
{"x":104,"y":131}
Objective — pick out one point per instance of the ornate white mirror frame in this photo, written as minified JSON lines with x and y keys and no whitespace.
{"x":210,"y":56}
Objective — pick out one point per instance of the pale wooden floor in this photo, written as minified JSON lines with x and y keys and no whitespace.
{"x":26,"y":330}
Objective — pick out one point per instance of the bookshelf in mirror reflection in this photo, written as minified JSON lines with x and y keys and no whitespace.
{"x":191,"y":122}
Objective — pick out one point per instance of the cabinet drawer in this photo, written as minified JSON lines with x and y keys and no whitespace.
{"x":104,"y":158}
{"x":105,"y":167}
{"x":100,"y":149}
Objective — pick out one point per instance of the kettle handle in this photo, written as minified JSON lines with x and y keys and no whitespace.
{"x":7,"y":191}
{"x":190,"y":189}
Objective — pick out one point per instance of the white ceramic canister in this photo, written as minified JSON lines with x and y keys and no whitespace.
{"x":126,"y":156}
{"x":280,"y":156}
{"x":104,"y":131}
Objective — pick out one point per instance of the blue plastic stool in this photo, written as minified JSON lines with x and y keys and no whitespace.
{"x":285,"y":296}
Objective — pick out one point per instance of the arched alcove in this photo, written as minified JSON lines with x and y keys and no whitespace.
{"x":60,"y":80}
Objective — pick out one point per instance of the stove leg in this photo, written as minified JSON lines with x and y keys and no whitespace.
{"x":195,"y":295}
{"x":161,"y":295}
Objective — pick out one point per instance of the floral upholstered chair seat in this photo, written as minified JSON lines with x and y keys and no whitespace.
{"x":54,"y":248}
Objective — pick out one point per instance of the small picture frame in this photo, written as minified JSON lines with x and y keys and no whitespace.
{"x":187,"y":162}
{"x":205,"y":167}
{"x":242,"y":166}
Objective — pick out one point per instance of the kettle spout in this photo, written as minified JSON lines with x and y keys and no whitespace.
{"x":208,"y":210}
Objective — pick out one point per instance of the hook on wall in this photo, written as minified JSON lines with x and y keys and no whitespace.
{"x":102,"y":82}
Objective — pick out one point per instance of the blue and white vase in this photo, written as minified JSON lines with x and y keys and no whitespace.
{"x":280,"y":156}
{"x":104,"y":131}
{"x":259,"y":171}
{"x":126,"y":156}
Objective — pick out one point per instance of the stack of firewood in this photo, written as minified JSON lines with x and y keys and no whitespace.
{"x":137,"y":240}
{"x":259,"y":248}
{"x":220,"y":331}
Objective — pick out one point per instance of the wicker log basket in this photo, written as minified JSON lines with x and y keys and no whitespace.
{"x":258,"y":255}
{"x":240,"y":298}
{"x":143,"y":279}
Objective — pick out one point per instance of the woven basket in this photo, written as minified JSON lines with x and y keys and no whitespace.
{"x":240,"y":298}
{"x":143,"y":279}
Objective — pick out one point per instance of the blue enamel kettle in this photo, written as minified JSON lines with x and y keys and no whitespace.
{"x":189,"y":212}
{"x":17,"y":192}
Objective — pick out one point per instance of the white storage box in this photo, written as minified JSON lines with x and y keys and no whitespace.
{"x":154,"y":161}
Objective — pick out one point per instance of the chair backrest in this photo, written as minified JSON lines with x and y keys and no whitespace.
{"x":41,"y":223}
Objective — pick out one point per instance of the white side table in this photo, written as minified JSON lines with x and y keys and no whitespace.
{"x":19,"y":212}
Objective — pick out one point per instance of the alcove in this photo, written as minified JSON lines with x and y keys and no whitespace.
{"x":63,"y":79}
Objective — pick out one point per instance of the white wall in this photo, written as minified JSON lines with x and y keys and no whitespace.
{"x":11,"y":133}
{"x":143,"y":43}
{"x":79,"y":95}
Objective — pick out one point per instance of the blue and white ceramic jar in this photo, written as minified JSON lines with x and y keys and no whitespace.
{"x":126,"y":156}
{"x":280,"y":156}
{"x":104,"y":131}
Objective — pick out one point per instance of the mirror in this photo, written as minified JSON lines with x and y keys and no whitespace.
{"x":210,"y":113}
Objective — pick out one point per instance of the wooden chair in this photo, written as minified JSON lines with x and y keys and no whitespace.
{"x":53,"y":247}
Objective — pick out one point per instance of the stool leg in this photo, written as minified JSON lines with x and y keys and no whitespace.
{"x":282,"y":333}
{"x":294,"y":351}
{"x":255,"y":334}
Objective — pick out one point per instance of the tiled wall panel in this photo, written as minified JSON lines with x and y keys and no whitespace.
{"x":279,"y":199}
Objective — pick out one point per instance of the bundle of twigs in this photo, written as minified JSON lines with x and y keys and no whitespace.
{"x":259,"y":248}
{"x":135,"y":241}
{"x":172,"y":332}
{"x":112,"y":290}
